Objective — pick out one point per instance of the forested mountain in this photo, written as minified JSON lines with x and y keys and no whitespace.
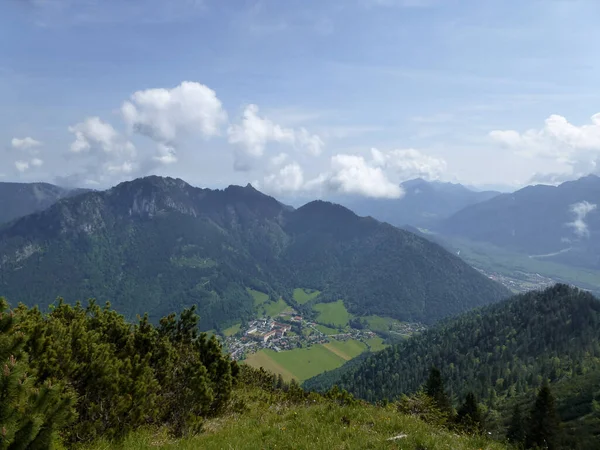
{"x":21,"y":199}
{"x":501,"y":352}
{"x":424,"y":204}
{"x":559,"y":223}
{"x":158,"y":244}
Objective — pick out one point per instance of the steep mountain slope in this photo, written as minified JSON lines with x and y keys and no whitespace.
{"x":500,"y":352}
{"x":21,"y":199}
{"x":423,"y":205}
{"x":158,"y":244}
{"x":557,"y":223}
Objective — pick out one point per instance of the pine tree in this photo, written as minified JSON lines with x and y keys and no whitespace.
{"x":31,"y":414}
{"x":516,"y":430}
{"x":434,"y":388}
{"x":544,"y":422}
{"x":469,"y":414}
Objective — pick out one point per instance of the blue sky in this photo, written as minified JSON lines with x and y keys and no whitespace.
{"x":301,"y":98}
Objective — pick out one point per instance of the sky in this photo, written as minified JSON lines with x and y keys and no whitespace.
{"x":301,"y":98}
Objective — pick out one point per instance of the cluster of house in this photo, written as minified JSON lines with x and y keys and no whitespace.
{"x":264,"y":329}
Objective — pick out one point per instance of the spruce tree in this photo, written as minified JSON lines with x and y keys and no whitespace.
{"x":469,"y":414}
{"x":544,"y":422}
{"x":516,"y":430}
{"x":434,"y":388}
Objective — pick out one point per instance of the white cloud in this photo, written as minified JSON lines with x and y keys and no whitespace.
{"x":108,"y":153}
{"x":575,"y":147}
{"x":22,"y":166}
{"x":581,"y":210}
{"x":25,"y":143}
{"x":311,"y":142}
{"x":409,"y":163}
{"x":352,"y":174}
{"x":94,"y":134}
{"x":164,"y":114}
{"x":254,"y":133}
{"x":288,"y":179}
{"x":36,"y":162}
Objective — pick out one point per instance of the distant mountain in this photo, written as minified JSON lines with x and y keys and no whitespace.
{"x":423,"y":205}
{"x":158,"y":244}
{"x":559,"y":223}
{"x":21,"y":199}
{"x":502,"y":353}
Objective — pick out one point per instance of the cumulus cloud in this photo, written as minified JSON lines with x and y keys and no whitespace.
{"x":409,"y":163}
{"x":577,"y":147}
{"x":378,"y":176}
{"x":164,"y":115}
{"x":254,"y":133}
{"x":109,"y":153}
{"x":25,"y":143}
{"x":288,"y":179}
{"x":28,"y":146}
{"x":580,"y":211}
{"x":352,"y":174}
{"x":22,"y":166}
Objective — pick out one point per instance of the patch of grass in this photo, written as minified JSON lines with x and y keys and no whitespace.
{"x":232,"y":330}
{"x":264,"y":359}
{"x":376,"y":344}
{"x":379,"y":323}
{"x":269,"y":423}
{"x":273,"y":309}
{"x":332,"y":313}
{"x":326,"y":330}
{"x":303,"y":296}
{"x":259,"y":297}
{"x":346,"y":349}
{"x":301,"y":363}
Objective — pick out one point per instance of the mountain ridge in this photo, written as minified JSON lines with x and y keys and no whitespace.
{"x":157,"y":244}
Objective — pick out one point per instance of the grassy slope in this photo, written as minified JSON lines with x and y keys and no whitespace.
{"x":346,"y":349}
{"x":232,"y":330}
{"x":264,"y":307}
{"x":304,"y":363}
{"x":332,"y":313}
{"x":376,"y":344}
{"x":326,"y":330}
{"x":302,"y":297}
{"x":269,"y":423}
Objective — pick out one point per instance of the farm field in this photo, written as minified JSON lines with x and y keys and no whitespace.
{"x":326,"y":330}
{"x":304,"y":363}
{"x":332,"y":314}
{"x":346,"y":349}
{"x":303,"y":296}
{"x":379,"y":323}
{"x":232,"y":330}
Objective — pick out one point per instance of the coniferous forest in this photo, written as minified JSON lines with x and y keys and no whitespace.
{"x":502,"y":354}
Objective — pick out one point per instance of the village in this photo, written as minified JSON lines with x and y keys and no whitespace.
{"x":289,"y":331}
{"x":285,"y":333}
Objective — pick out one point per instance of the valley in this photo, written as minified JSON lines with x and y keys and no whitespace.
{"x":298,"y":347}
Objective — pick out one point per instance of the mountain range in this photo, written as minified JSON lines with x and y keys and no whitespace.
{"x":21,"y":199}
{"x":158,"y":244}
{"x":424,"y":203}
{"x":555,"y":223}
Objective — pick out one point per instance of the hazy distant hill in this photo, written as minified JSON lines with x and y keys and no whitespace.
{"x":20,"y":199}
{"x":157,"y":244}
{"x":423,"y":205}
{"x":557,"y":223}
